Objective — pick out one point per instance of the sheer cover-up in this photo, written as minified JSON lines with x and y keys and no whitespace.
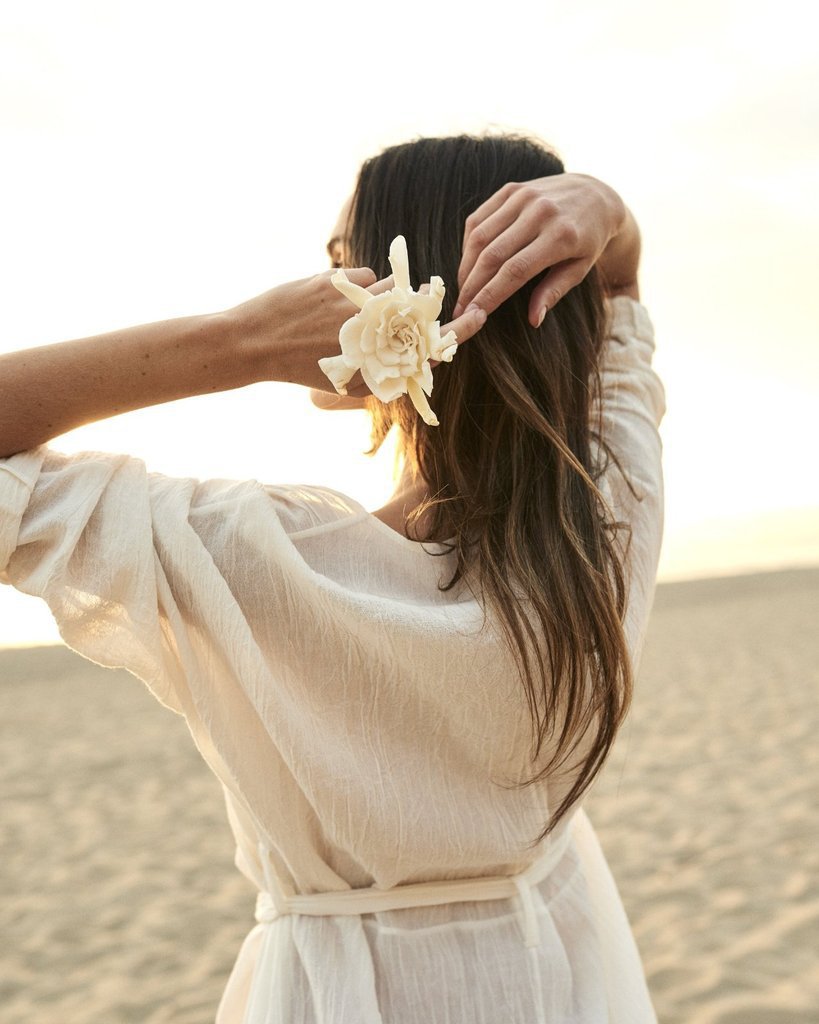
{"x":366,"y":730}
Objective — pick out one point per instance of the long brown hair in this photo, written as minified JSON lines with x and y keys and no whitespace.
{"x":512,"y":468}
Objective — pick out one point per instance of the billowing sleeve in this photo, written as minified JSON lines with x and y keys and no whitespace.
{"x":191,"y":585}
{"x":633,"y":397}
{"x":632,"y":406}
{"x":77,"y":531}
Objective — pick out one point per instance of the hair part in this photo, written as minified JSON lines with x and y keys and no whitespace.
{"x":512,"y":470}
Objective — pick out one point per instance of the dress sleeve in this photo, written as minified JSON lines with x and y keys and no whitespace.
{"x":77,"y":531}
{"x":632,"y":406}
{"x":633,"y":397}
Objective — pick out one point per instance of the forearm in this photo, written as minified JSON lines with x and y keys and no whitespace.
{"x":49,"y":390}
{"x":620,"y":260}
{"x":280,"y":335}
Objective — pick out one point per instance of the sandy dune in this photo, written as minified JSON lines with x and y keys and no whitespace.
{"x":119,"y":901}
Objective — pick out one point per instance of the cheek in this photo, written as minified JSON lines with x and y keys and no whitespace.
{"x":337,"y":255}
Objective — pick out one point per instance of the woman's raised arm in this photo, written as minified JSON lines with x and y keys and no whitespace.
{"x":278,"y":336}
{"x":49,"y":390}
{"x":563,"y":223}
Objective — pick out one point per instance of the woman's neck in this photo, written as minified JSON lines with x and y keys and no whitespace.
{"x":407,"y":496}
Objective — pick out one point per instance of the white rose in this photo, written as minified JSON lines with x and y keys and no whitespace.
{"x":392,"y":337}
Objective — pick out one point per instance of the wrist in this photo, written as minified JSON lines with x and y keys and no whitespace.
{"x":619,"y":262}
{"x":260,"y":333}
{"x":614,"y":211}
{"x":243,"y":336}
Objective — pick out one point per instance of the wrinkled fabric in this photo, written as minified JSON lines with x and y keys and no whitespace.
{"x":367,"y":728}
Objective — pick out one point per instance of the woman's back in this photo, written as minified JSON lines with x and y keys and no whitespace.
{"x":367,"y":730}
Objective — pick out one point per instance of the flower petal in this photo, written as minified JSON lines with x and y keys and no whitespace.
{"x":354,"y":292}
{"x":339,"y":372}
{"x":442,"y":349}
{"x":384,"y":304}
{"x":428,"y":306}
{"x":448,"y":353}
{"x":437,"y":291}
{"x":419,"y":400}
{"x":389,"y":357}
{"x":380,"y":371}
{"x":392,"y":389}
{"x":349,"y":337}
{"x":386,"y":391}
{"x":425,"y":375}
{"x":399,"y":261}
{"x":369,"y":338}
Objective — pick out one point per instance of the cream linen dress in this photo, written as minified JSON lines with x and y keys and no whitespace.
{"x":366,"y":730}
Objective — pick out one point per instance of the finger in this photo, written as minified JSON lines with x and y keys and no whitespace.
{"x":490,"y":206}
{"x":494,"y":202}
{"x":516,"y":237}
{"x":383,"y":285}
{"x":362,"y":276}
{"x":558,"y":282}
{"x":483,"y":234}
{"x":522,"y":267}
{"x":465,"y":327}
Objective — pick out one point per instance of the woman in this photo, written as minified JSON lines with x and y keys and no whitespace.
{"x":383,"y":712}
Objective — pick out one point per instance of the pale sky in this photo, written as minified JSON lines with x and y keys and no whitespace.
{"x":161,"y":159}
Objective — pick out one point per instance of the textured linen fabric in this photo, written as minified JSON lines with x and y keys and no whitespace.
{"x":367,"y":728}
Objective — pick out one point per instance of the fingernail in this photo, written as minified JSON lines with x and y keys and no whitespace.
{"x":456,"y":312}
{"x":541,"y":317}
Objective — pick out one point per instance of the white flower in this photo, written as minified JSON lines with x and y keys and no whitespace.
{"x":392,"y":337}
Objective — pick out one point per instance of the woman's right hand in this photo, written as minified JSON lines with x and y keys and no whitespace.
{"x":563,"y":223}
{"x":287,"y":330}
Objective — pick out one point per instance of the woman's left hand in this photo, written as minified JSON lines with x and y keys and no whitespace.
{"x":562,"y":223}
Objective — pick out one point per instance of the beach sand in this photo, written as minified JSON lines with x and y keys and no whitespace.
{"x":119,"y":901}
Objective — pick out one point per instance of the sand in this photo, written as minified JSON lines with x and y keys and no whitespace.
{"x":119,"y":901}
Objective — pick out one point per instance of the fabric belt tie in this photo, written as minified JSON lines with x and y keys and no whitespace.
{"x":273,"y":904}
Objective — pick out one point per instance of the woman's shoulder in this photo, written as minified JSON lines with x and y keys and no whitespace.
{"x":298,"y":507}
{"x":302,"y":507}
